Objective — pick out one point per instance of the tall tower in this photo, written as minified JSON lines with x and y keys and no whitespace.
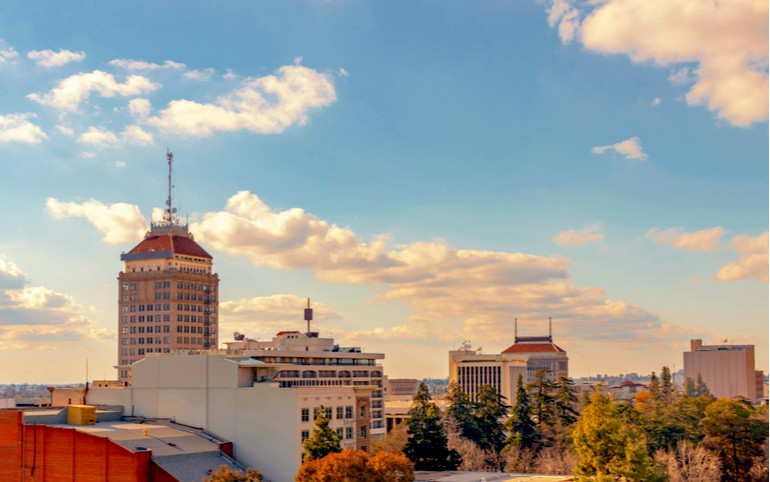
{"x":167,"y":293}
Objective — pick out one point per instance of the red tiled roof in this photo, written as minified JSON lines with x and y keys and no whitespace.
{"x":533,"y":348}
{"x":168,"y":242}
{"x":286,"y":333}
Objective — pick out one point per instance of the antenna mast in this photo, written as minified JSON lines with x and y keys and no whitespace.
{"x":308,"y":314}
{"x":169,"y":215}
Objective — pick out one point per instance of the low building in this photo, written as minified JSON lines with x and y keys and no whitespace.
{"x":727,"y":370}
{"x":626,"y":390}
{"x":245,"y":400}
{"x":400,"y":388}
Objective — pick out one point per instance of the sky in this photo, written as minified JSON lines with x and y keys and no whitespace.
{"x":425,"y":171}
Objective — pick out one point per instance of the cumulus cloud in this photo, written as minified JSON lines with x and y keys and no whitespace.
{"x":49,"y":58}
{"x":73,"y":90}
{"x":415,"y":329}
{"x":753,"y":262}
{"x":17,"y":128}
{"x":118,"y":222}
{"x":704,"y":240}
{"x":629,"y":149}
{"x":202,"y":75}
{"x":139,"y":107}
{"x":130,"y":64}
{"x":727,"y":41}
{"x":29,"y":314}
{"x":655,"y":102}
{"x":10,"y":274}
{"x":265,"y":105}
{"x":7,"y":54}
{"x":482,"y":289}
{"x":103,"y":137}
{"x":263,"y":316}
{"x":65,"y":130}
{"x":578,"y":238}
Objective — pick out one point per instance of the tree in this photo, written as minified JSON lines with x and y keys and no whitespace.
{"x":700,"y":387}
{"x":489,"y":410}
{"x":542,"y":400}
{"x":393,"y":441}
{"x":566,"y":401}
{"x":323,"y":440}
{"x":654,"y":388}
{"x":225,"y":474}
{"x":522,"y":429}
{"x":668,"y":392}
{"x":357,"y":466}
{"x":426,"y":445}
{"x":688,"y":388}
{"x":736,"y":435}
{"x":461,"y":411}
{"x":609,"y":446}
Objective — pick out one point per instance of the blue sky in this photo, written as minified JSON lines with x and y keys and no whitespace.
{"x":424,"y":171}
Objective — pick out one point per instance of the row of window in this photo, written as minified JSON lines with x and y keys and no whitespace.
{"x":324,"y":361}
{"x":180,"y":285}
{"x":141,"y":351}
{"x":164,"y":340}
{"x":143,"y":318}
{"x":206,"y":320}
{"x":167,"y":307}
{"x":348,"y":433}
{"x":157,"y":329}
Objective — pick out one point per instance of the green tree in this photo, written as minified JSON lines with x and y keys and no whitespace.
{"x":542,"y":398}
{"x":654,"y":388}
{"x":461,"y":410}
{"x":565,"y":401}
{"x":688,"y":388}
{"x":609,"y":445}
{"x":700,"y":387}
{"x":323,"y":441}
{"x":521,"y":427}
{"x":668,"y":391}
{"x":490,"y":409}
{"x":426,"y":444}
{"x":735,"y":435}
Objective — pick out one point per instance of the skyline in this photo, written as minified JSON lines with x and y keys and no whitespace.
{"x":425,"y":173}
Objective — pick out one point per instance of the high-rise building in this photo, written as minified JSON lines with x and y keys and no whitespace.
{"x":727,"y":370}
{"x":167,"y":293}
{"x":540,"y":353}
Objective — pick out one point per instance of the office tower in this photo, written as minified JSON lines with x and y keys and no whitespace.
{"x":727,"y":370}
{"x":167,"y":293}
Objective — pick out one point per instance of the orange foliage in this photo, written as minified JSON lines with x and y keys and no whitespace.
{"x":357,"y":466}
{"x":644,"y":402}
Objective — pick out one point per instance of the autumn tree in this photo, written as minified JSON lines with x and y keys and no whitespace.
{"x":736,"y":435}
{"x":225,"y":474}
{"x":426,"y":444}
{"x":393,"y":441}
{"x":608,"y":446}
{"x":323,"y":440}
{"x":357,"y":466}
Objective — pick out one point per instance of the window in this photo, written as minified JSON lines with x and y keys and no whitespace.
{"x":124,"y":341}
{"x":141,"y":350}
{"x":305,"y":435}
{"x":165,"y":340}
{"x":166,"y":317}
{"x":133,"y":286}
{"x":124,"y":319}
{"x":348,"y":433}
{"x":349,"y":412}
{"x":166,"y":328}
{"x":158,"y":295}
{"x":166,"y":296}
{"x":339,"y":433}
{"x":141,"y":329}
{"x":305,"y":415}
{"x":125,"y":287}
{"x":167,"y":284}
{"x":363,"y":432}
{"x":133,"y":330}
{"x":124,"y":330}
{"x":179,"y":285}
{"x":158,"y":285}
{"x":362,"y":411}
{"x":340,"y":411}
{"x":124,"y":298}
{"x":158,"y":307}
{"x":328,"y":413}
{"x":179,"y":328}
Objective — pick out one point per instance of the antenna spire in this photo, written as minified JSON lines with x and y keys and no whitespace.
{"x":308,"y":314}
{"x":169,"y":214}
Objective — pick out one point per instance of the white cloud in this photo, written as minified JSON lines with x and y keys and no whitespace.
{"x":295,"y":89}
{"x":753,"y":262}
{"x":139,"y":107}
{"x":70,"y":92}
{"x":681,"y":77}
{"x":629,"y":149}
{"x":65,"y":130}
{"x":119,"y":222}
{"x":343,"y":73}
{"x":130,"y":64}
{"x":578,"y":238}
{"x":655,"y":102}
{"x":704,"y":240}
{"x":229,"y":75}
{"x":120,"y":164}
{"x":7,"y":54}
{"x":727,"y":40}
{"x":103,"y":137}
{"x":16,"y":128}
{"x":10,"y":274}
{"x":49,"y":58}
{"x":201,"y":75}
{"x":34,"y":316}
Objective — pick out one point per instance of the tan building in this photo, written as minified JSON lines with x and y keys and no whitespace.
{"x":167,"y":294}
{"x":472,"y":369}
{"x":400,"y":388}
{"x":240,"y":399}
{"x":727,"y":370}
{"x":311,"y":361}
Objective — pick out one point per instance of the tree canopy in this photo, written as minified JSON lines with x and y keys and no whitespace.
{"x":426,"y":444}
{"x":323,"y":440}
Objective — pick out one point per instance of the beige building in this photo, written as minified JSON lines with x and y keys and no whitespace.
{"x":242,"y":399}
{"x":400,"y":388}
{"x":167,"y":293}
{"x":472,"y":369}
{"x":308,"y":360}
{"x":727,"y":370}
